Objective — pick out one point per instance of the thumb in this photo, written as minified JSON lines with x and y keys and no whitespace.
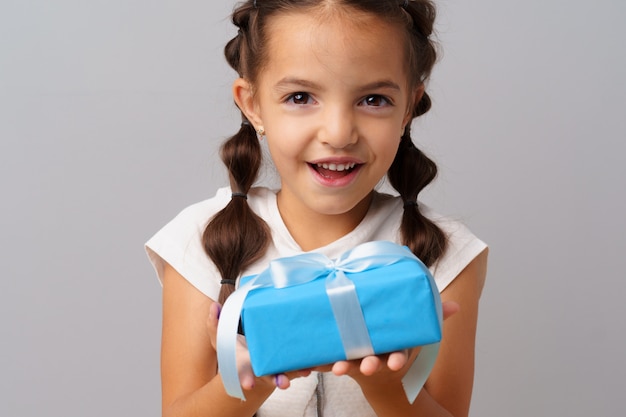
{"x":214,"y":314}
{"x":450,"y":308}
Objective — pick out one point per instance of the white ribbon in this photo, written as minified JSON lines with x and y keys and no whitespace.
{"x":299,"y":269}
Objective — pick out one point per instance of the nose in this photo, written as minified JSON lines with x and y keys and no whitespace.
{"x":338,"y":128}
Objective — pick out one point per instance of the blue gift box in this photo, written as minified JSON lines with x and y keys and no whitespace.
{"x":295,"y":327}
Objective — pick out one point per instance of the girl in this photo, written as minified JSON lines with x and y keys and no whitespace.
{"x":332,"y":86}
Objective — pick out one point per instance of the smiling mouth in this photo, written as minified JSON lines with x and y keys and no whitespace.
{"x":332,"y":170}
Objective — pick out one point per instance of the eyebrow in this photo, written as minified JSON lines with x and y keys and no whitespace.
{"x":292,"y":81}
{"x":386,"y":84}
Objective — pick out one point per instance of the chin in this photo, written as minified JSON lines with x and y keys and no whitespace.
{"x":337,"y":208}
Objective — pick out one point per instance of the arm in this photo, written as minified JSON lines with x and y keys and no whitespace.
{"x":448,"y":390}
{"x":190,"y":383}
{"x":452,"y":379}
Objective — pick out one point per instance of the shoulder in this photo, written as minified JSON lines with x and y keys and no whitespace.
{"x":191,"y":221}
{"x":463,"y":245}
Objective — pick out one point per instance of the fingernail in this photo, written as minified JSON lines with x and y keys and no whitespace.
{"x":276,"y":381}
{"x":219,"y":311}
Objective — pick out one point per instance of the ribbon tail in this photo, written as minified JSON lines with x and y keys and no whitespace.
{"x":227,"y":341}
{"x":415,"y":378}
{"x":419,"y":371}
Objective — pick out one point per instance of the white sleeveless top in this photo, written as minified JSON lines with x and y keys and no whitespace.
{"x":179,"y":243}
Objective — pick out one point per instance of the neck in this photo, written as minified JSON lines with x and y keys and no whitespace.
{"x":312,"y":230}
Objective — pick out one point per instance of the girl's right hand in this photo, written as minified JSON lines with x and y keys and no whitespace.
{"x":246,"y":376}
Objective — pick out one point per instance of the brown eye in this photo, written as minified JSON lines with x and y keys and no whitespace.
{"x":299,"y":98}
{"x":375,"y":101}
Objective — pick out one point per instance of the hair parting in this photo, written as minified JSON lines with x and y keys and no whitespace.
{"x":403,"y":4}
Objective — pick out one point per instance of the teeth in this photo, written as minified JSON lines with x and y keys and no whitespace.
{"x":336,"y":167}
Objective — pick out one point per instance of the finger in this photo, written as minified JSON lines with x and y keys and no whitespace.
{"x":303,"y":373}
{"x":397,"y":360}
{"x":246,"y":379}
{"x":450,"y":308}
{"x":214,"y":312}
{"x":281,"y":381}
{"x":370,"y":365}
{"x":341,"y":368}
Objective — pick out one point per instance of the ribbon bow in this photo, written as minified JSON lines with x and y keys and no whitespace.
{"x":303,"y":268}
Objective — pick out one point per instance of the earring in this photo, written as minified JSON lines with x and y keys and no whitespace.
{"x":261,"y":132}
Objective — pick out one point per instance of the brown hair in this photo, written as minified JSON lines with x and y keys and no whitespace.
{"x":236,"y":237}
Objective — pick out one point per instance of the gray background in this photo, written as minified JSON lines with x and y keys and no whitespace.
{"x":110,"y":116}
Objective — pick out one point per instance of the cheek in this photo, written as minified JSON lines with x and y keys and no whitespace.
{"x":284,"y":153}
{"x":286,"y":139}
{"x":386,"y":142}
{"x":388,"y":154}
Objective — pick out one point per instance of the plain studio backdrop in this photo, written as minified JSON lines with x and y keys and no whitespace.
{"x":111,"y":114}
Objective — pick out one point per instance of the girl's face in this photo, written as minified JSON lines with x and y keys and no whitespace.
{"x":333,"y":99}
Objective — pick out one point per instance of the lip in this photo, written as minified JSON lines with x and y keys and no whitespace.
{"x":336,"y":182}
{"x":337,"y":160}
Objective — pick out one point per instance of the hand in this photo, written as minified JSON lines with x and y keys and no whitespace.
{"x":246,"y":376}
{"x":388,"y":364}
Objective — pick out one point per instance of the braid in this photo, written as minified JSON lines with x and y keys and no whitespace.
{"x":242,"y":51}
{"x":422,"y":51}
{"x":236,"y":237}
{"x":410,"y":172}
{"x":235,"y":47}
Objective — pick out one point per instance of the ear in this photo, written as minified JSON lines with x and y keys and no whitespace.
{"x":418,"y":92}
{"x":243,"y":93}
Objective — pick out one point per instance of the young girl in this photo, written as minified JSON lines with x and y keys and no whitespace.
{"x":332,"y":86}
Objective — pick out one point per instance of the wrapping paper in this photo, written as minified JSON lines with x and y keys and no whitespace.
{"x":309,"y":310}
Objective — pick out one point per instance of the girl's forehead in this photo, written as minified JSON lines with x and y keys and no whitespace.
{"x":339,"y":25}
{"x":340,"y":43}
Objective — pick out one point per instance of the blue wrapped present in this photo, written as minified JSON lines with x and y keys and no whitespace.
{"x":307,"y":310}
